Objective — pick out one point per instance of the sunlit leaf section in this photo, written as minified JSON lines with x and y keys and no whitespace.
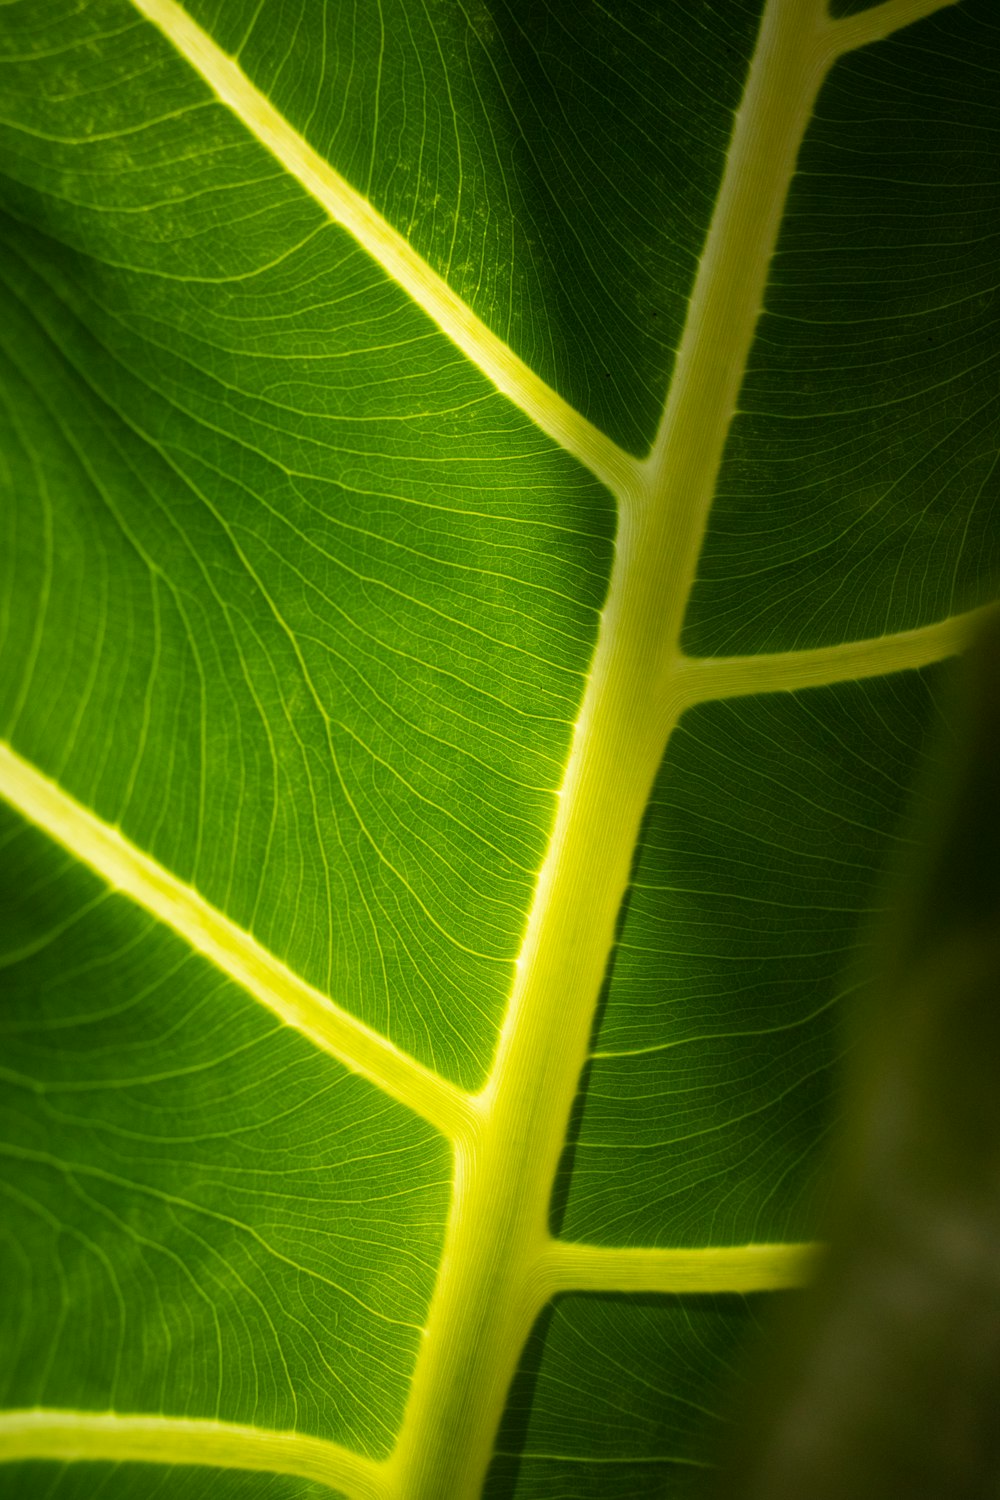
{"x":336,"y":595}
{"x":203,"y":1215}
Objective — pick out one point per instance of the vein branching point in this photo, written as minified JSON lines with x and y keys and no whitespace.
{"x":500,"y":1264}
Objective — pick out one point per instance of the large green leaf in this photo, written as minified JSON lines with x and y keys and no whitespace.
{"x":486,"y":490}
{"x":903,"y":1319}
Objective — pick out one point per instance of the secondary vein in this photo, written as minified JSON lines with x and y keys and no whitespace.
{"x":72,"y":1435}
{"x":236,"y":952}
{"x":711,"y":1268}
{"x":699,"y":680}
{"x":349,"y":208}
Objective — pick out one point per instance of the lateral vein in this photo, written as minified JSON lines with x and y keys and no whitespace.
{"x":880,"y":21}
{"x":731,"y":1268}
{"x":353,"y":212}
{"x":236,"y":952}
{"x":74,"y":1435}
{"x":497,"y":1241}
{"x":701,"y":679}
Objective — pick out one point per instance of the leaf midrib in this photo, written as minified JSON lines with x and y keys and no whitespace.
{"x":664,"y":504}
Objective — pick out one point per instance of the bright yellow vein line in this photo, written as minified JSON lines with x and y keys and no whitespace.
{"x":230,"y":948}
{"x":74,"y":1435}
{"x":728,"y":1268}
{"x":880,"y":21}
{"x":392,"y":252}
{"x":702,"y":679}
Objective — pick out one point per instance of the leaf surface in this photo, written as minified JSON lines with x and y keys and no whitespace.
{"x":486,"y":492}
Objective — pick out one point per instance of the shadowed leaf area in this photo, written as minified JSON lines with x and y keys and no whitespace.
{"x":888,"y":1380}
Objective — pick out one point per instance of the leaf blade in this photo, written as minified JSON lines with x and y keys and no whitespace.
{"x":356,"y":718}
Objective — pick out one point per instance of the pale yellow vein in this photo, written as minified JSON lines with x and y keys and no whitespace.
{"x":79,"y":1435}
{"x":390,"y":250}
{"x":702,"y":679}
{"x":236,"y":952}
{"x":708,"y":1268}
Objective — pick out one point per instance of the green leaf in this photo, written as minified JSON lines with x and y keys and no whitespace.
{"x":486,"y":494}
{"x":904,"y":1318}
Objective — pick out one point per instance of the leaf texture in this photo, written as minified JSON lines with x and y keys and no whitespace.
{"x":487,"y":495}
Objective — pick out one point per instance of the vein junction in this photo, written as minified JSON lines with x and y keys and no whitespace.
{"x":236,"y":952}
{"x":350,"y":209}
{"x":74,"y":1435}
{"x":501,"y":1264}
